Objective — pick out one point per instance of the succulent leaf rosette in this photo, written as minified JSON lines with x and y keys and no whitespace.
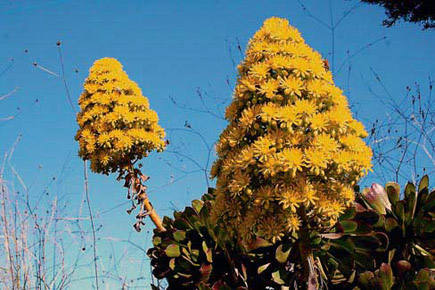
{"x":117,"y":126}
{"x":292,"y":151}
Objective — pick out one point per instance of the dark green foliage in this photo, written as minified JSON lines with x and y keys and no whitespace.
{"x":385,"y":241}
{"x":391,"y":250}
{"x":191,"y":253}
{"x":418,"y":11}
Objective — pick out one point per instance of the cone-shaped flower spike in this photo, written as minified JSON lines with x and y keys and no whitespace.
{"x":292,"y":151}
{"x":117,"y":127}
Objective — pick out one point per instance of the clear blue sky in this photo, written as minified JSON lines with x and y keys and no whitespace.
{"x":169,"y":48}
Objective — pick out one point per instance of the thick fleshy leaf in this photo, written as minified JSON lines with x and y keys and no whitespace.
{"x":208,"y":252}
{"x":390,"y":224}
{"x":184,"y":275}
{"x":179,"y":235}
{"x":172,"y":263}
{"x":280,"y":255}
{"x":197,"y":205}
{"x":411,"y":202}
{"x":349,"y":213}
{"x":262,"y":268}
{"x":173,"y":251}
{"x":182,"y":224}
{"x":403,"y":267}
{"x":430,"y":202}
{"x":156,"y":241}
{"x":386,"y":274}
{"x":276,"y":276}
{"x":399,"y":210}
{"x":366,"y":278}
{"x":424,"y":183}
{"x":205,"y":271}
{"x":423,"y":279}
{"x":391,"y":255}
{"x":409,"y":189}
{"x":349,"y":226}
{"x":258,"y":243}
{"x":393,"y":191}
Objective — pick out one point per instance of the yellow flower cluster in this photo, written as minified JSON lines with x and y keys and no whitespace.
{"x":117,"y":127}
{"x":292,"y":150}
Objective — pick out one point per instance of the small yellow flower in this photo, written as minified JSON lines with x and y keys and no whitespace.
{"x":316,"y":88}
{"x":292,"y":159}
{"x":239,"y":182}
{"x":260,"y":70}
{"x":326,"y":143}
{"x":292,"y":85}
{"x":294,"y":223}
{"x":319,"y":123}
{"x":289,"y":115}
{"x":269,"y":88}
{"x":290,"y":199}
{"x":316,"y":160}
{"x":264,"y":147}
{"x":305,"y":107}
{"x":358,"y":128}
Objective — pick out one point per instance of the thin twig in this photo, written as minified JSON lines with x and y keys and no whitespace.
{"x":94,"y":239}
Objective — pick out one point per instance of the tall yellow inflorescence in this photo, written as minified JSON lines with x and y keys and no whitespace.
{"x":117,"y":126}
{"x":292,"y":151}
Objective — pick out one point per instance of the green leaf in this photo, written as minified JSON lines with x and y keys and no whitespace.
{"x":366,"y":278}
{"x":399,"y":210}
{"x":349,"y":226}
{"x":187,"y":258}
{"x":203,"y":286}
{"x":409,"y":189}
{"x":262,"y":268}
{"x":393,"y":191}
{"x":391,"y":255}
{"x":157,"y":241}
{"x":349,"y":213}
{"x":411,"y":202}
{"x":167,"y":221}
{"x":422,"y":280}
{"x":173,"y":251}
{"x":347,"y":245}
{"x":386,"y":274}
{"x":182,"y":224}
{"x":390,"y":224}
{"x":204,"y":214}
{"x":184,"y":275}
{"x":172,"y":263}
{"x":179,"y":235}
{"x":430,"y":227}
{"x":277,"y":278}
{"x":424,"y":183}
{"x":280,"y":255}
{"x":430,"y":202}
{"x":205,"y":271}
{"x":197,"y":205}
{"x":208,"y":252}
{"x":258,"y":243}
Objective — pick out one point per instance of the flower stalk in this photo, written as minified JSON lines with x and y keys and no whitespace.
{"x":137,"y":192}
{"x":309,"y":275}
